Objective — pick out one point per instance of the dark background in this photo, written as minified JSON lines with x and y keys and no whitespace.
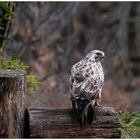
{"x":51,"y":36}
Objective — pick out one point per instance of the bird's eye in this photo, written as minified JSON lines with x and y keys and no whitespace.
{"x":98,"y":53}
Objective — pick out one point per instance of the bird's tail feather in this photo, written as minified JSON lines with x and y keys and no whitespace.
{"x":86,"y":111}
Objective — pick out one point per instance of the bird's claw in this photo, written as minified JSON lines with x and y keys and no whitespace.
{"x":98,"y":105}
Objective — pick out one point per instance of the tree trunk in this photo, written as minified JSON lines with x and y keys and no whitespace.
{"x":60,"y":123}
{"x":12,"y":93}
{"x":5,"y":24}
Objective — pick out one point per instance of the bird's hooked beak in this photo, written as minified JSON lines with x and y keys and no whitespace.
{"x":103,"y":56}
{"x":100,"y":56}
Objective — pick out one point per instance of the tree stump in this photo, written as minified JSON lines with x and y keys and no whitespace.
{"x":12,"y":93}
{"x":60,"y":123}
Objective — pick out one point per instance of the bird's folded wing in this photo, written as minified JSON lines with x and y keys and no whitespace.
{"x":89,"y":90}
{"x":76,"y":80}
{"x":78,"y":77}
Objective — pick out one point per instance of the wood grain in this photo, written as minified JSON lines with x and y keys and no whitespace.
{"x":61,"y":123}
{"x":12,"y":92}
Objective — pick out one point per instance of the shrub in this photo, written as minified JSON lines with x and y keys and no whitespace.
{"x":130,"y":123}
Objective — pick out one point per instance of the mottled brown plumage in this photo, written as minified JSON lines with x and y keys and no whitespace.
{"x":86,"y":80}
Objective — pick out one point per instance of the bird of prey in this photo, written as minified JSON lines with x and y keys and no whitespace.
{"x":86,"y":82}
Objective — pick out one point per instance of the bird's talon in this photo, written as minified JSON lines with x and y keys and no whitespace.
{"x":98,"y":105}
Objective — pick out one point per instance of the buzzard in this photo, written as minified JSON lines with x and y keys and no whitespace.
{"x":86,"y":82}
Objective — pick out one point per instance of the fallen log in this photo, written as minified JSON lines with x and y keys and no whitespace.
{"x":12,"y":92}
{"x":61,"y":123}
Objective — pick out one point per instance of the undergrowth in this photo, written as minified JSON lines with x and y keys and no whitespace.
{"x":130,"y":123}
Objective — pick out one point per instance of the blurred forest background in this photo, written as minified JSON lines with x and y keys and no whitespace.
{"x":51,"y":36}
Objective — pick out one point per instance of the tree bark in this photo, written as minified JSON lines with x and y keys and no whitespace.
{"x":6,"y":26}
{"x":12,"y":93}
{"x":61,"y":123}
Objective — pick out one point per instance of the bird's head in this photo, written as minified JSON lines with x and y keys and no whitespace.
{"x":96,"y":55}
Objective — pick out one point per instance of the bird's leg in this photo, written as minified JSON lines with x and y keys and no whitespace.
{"x":97,"y":103}
{"x":98,"y":100}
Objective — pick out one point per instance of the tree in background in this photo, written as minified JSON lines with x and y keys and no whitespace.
{"x":6,"y":14}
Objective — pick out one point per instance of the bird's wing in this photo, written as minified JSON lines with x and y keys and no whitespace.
{"x":76,"y":80}
{"x":89,"y":90}
{"x":79,"y":77}
{"x":86,"y":84}
{"x":92,"y":86}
